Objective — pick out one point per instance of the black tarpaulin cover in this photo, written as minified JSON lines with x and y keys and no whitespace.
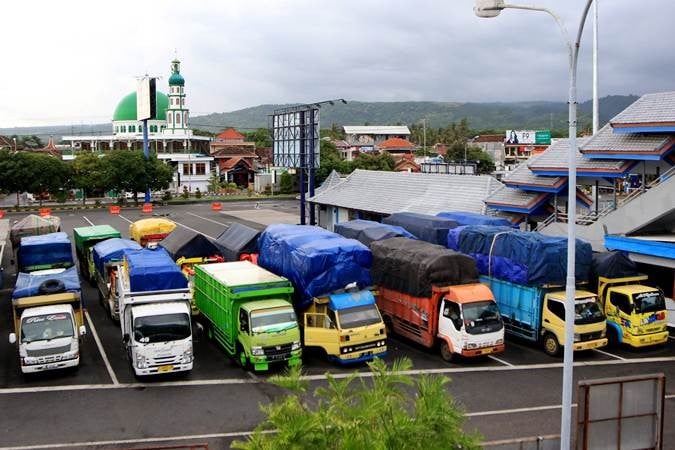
{"x":237,"y":239}
{"x":427,"y":228}
{"x":184,"y":243}
{"x":367,"y":231}
{"x":412,"y":267}
{"x":612,"y":265}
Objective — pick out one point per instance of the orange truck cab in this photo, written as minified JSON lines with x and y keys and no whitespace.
{"x":463,"y":319}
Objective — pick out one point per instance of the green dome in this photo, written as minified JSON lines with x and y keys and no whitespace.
{"x":176,"y":79}
{"x":126,"y":108}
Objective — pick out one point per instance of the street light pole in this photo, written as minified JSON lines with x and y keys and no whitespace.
{"x":492,"y":8}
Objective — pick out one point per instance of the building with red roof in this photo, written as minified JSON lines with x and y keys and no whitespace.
{"x":235,"y":158}
{"x":396,"y":146}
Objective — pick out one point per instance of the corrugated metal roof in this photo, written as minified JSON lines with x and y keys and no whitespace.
{"x":514,"y":197}
{"x":390,"y":192}
{"x":658,"y":107}
{"x":522,"y":175}
{"x":376,"y":129}
{"x":606,"y":141}
{"x":555,"y":158}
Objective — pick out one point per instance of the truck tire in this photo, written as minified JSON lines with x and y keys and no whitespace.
{"x":551,"y":345}
{"x":241,"y":358}
{"x":51,"y":286}
{"x":446,"y":353}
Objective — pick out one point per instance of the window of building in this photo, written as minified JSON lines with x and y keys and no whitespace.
{"x":132,"y":128}
{"x":177,"y":118}
{"x":140,"y":128}
{"x":185,"y":118}
{"x":200,"y":168}
{"x":123,"y":128}
{"x":186,"y":169}
{"x":117,"y":129}
{"x":169,"y":117}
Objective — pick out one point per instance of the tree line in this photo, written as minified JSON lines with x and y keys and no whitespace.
{"x":120,"y":170}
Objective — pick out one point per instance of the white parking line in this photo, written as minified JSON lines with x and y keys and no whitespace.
{"x":88,"y":221}
{"x":124,"y":218}
{"x":100,"y":349}
{"x":500,"y":360}
{"x":209,"y":220}
{"x":609,"y":354}
{"x":321,"y":377}
{"x":515,"y":410}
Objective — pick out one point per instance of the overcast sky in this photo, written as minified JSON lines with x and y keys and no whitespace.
{"x":70,"y":62}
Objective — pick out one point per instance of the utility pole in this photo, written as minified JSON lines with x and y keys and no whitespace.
{"x":424,"y":123}
{"x":596,"y":106}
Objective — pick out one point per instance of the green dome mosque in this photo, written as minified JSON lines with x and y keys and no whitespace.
{"x":126,"y":108}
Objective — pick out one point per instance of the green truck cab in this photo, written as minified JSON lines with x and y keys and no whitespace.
{"x":248,"y":311}
{"x":85,"y":239}
{"x":636,"y":313}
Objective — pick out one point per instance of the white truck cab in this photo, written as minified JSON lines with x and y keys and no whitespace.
{"x":48,"y":338}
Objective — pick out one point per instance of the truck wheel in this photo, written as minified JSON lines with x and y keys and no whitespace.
{"x":551,"y":345}
{"x":446,"y":353}
{"x":241,"y":357}
{"x":52,"y":286}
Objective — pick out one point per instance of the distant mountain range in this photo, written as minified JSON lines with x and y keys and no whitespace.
{"x":481,"y":116}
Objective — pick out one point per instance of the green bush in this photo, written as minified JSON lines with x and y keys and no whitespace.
{"x":61,"y":196}
{"x":97,"y":203}
{"x":167,"y":195}
{"x":185,"y":193}
{"x":198,"y":193}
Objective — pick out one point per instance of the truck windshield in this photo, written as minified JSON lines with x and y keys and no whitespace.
{"x":161,"y":328}
{"x":649,"y":302}
{"x":482,"y":317}
{"x":273,"y":320}
{"x":46,"y":327}
{"x":587,"y":311}
{"x":359,"y":316}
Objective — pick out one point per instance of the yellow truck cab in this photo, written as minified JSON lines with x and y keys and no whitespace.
{"x":347,"y":326}
{"x":636,"y":313}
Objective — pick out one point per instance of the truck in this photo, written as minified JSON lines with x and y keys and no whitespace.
{"x":431,"y":295}
{"x":636,"y":313}
{"x":148,"y":232}
{"x":106,"y":257}
{"x":537,"y":314}
{"x":154,"y":303}
{"x":332,"y":290}
{"x":85,"y":239}
{"x":248,"y":311}
{"x":47,"y":305}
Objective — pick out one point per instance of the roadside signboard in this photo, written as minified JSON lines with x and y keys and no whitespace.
{"x":528,"y":137}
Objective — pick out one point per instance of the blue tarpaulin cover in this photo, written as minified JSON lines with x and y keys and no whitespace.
{"x":346,"y":300}
{"x":112,"y":250}
{"x":469,"y":218}
{"x":28,"y":285}
{"x":153,"y":270}
{"x":520,"y":257}
{"x":426,"y":227}
{"x":316,"y":261}
{"x":367,"y":231}
{"x":52,"y":248}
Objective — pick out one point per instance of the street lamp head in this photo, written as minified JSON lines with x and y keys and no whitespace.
{"x":488,"y":8}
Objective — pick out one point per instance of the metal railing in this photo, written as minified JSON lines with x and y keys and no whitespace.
{"x":593,"y":216}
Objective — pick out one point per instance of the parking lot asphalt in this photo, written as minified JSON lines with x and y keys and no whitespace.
{"x":103,"y":405}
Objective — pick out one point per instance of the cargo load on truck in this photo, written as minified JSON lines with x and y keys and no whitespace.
{"x":112,"y":250}
{"x":4,"y":234}
{"x":316,"y":261}
{"x":45,"y":251}
{"x":368,"y":231}
{"x":521,"y":257}
{"x":33,"y":225}
{"x":85,"y":239}
{"x":237,"y":240}
{"x":184,"y":243}
{"x":413,"y":267}
{"x":424,"y":226}
{"x":153,"y":270}
{"x":612,"y":265}
{"x":148,"y":232}
{"x":470,"y":218}
{"x":29,"y":285}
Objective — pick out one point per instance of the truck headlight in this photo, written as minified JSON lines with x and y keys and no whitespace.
{"x":471,"y":345}
{"x":257,"y":351}
{"x":141,"y":362}
{"x":187,"y":356}
{"x":499,"y":342}
{"x":603,"y":333}
{"x":577,"y":337}
{"x":295,"y":345}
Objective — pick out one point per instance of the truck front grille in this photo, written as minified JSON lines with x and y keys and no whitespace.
{"x":164,"y":361}
{"x":591,"y":336}
{"x":282,"y":351}
{"x":48,"y":351}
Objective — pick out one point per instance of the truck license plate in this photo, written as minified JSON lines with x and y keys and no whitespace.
{"x":167,"y":368}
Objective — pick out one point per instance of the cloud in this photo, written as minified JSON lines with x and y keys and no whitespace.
{"x":71,"y":62}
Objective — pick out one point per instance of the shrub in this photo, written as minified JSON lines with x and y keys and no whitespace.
{"x":198,"y":193}
{"x":185,"y":193}
{"x":167,"y":195}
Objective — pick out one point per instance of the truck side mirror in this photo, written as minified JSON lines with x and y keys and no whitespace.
{"x":12,"y":338}
{"x":125,"y":338}
{"x":83,"y":330}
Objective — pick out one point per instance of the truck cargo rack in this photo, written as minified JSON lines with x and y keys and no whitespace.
{"x":142,"y":298}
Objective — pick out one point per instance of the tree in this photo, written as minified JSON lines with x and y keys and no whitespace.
{"x":369,"y":161}
{"x":286,"y":183}
{"x":330,"y":160}
{"x":391,"y":410}
{"x":88,"y":173}
{"x":260,"y":136}
{"x":50,"y":174}
{"x":214,"y":183}
{"x":129,"y":171}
